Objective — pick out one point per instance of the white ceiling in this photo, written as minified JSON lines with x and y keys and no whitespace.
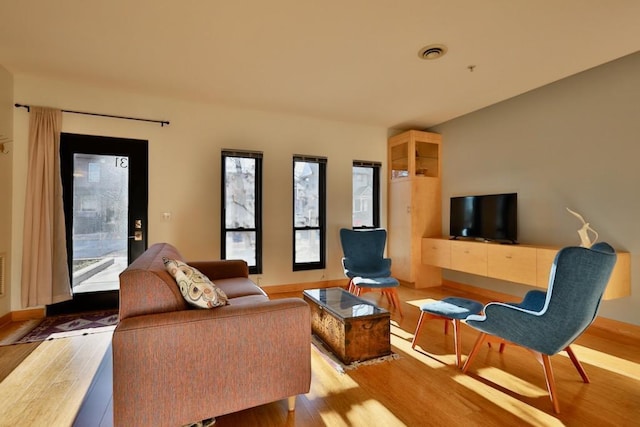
{"x":348,"y":60}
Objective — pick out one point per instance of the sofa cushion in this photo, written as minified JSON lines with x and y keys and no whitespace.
{"x":236,"y":287}
{"x":195,"y":287}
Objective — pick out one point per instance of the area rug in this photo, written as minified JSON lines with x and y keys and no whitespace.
{"x":325,"y":353}
{"x":69,"y":325}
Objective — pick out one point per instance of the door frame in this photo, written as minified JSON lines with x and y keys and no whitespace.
{"x":137,"y":152}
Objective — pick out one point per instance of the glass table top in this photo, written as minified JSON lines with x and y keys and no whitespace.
{"x":343,"y":304}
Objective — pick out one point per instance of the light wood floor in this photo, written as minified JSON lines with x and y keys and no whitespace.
{"x":48,"y":387}
{"x":422,"y":388}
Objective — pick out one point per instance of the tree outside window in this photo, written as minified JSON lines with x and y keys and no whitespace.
{"x":309,"y":200}
{"x":366,"y":194}
{"x":242,"y":208}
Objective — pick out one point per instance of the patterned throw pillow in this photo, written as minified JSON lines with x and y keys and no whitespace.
{"x":195,"y":287}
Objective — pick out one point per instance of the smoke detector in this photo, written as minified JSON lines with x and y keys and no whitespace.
{"x":433,"y":51}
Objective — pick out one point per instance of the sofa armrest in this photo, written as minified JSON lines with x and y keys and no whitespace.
{"x":231,"y":358}
{"x":222,"y":269}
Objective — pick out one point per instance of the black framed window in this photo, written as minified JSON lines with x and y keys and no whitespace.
{"x":366,"y":194}
{"x":242,"y":208}
{"x":309,"y":212}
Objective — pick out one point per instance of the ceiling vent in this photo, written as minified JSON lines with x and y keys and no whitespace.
{"x":433,"y":51}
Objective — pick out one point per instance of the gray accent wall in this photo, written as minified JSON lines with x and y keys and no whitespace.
{"x":573,"y":143}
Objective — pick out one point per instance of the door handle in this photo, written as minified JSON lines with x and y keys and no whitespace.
{"x":137,"y":236}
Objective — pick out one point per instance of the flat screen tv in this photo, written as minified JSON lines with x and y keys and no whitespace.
{"x":487,"y":217}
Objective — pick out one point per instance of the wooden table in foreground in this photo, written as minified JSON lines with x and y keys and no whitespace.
{"x":354,"y":328}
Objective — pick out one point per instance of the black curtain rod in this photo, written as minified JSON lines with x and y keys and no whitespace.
{"x":161,"y":122}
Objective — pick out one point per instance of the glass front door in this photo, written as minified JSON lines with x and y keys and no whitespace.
{"x":100,"y":221}
{"x":105,"y":186}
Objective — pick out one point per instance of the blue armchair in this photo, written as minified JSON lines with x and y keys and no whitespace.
{"x":365,"y":265}
{"x":364,"y":253}
{"x":548,"y":322}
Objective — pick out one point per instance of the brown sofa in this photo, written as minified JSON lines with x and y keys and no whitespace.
{"x":174,"y":364}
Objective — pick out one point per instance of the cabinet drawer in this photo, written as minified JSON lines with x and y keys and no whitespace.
{"x":470,"y":257}
{"x":436,"y":252}
{"x":512,"y":263}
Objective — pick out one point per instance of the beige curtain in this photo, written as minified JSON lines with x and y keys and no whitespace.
{"x":45,"y":275}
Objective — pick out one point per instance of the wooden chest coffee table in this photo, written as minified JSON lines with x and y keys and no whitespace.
{"x":354,"y":328}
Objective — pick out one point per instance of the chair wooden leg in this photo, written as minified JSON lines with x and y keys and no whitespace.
{"x":551,"y":383}
{"x":396,"y":300}
{"x":457,"y":342}
{"x":544,"y":360}
{"x":390,"y":293}
{"x":291,"y":403}
{"x":577,"y":364}
{"x":474,"y":351}
{"x":418,"y":327}
{"x":385,"y":293}
{"x":353,"y":289}
{"x":502,"y":346}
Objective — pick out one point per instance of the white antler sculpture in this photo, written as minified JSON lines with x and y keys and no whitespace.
{"x":584,"y":231}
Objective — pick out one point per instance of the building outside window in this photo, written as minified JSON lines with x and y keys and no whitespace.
{"x":242,"y":208}
{"x":309,"y":216}
{"x":366,"y":194}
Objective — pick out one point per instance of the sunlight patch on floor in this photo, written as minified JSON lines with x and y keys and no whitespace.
{"x":382,"y":415}
{"x":588,"y":356}
{"x":345,"y":402}
{"x":516,"y":384}
{"x":58,"y":370}
{"x":434,"y":360}
{"x":401,"y":340}
{"x":528,"y":414}
{"x":397,"y":331}
{"x":322,"y":389}
{"x":367,"y":413}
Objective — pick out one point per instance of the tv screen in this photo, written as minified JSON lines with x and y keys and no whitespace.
{"x":488,"y":217}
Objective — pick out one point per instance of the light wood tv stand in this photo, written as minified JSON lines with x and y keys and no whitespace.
{"x":526,"y":264}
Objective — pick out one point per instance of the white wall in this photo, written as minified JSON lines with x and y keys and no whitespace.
{"x":184,"y":167}
{"x":6,"y":130}
{"x":574,"y":143}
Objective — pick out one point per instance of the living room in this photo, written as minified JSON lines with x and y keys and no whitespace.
{"x":570,"y":143}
